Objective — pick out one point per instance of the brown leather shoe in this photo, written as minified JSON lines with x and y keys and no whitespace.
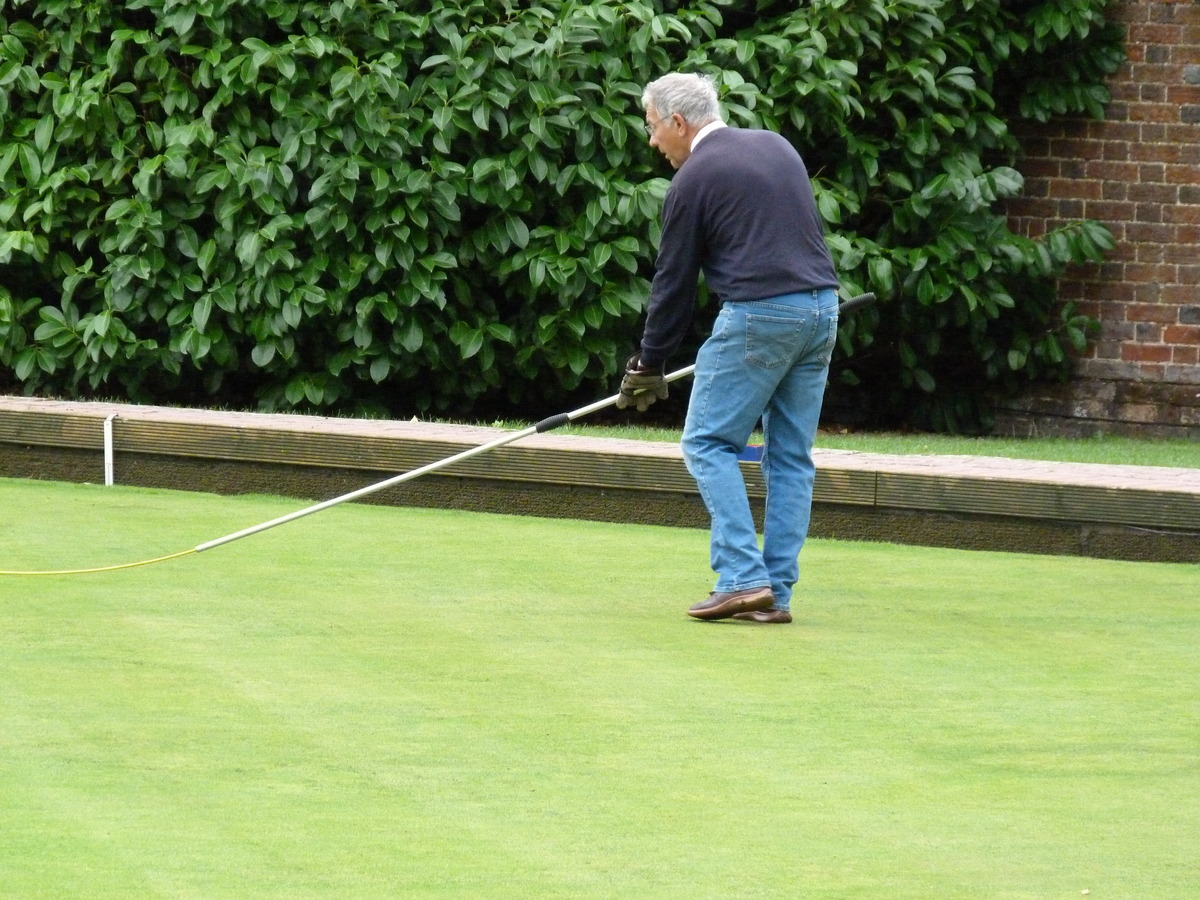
{"x":721,"y":605}
{"x":766,"y":616}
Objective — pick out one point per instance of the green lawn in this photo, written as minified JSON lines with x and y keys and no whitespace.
{"x":376,"y":702}
{"x":1105,"y":449}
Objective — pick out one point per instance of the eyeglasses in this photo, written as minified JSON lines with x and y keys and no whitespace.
{"x":650,"y":126}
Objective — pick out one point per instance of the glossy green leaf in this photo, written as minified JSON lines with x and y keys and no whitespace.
{"x":468,"y":197}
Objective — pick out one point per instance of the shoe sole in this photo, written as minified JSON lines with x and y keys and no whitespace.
{"x":749,"y":617}
{"x":735,"y":605}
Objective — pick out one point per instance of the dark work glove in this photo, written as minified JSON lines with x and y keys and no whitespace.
{"x":641,"y":385}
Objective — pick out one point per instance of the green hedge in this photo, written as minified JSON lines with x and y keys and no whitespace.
{"x":349,"y":206}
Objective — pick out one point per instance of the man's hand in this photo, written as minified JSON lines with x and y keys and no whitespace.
{"x":641,"y":385}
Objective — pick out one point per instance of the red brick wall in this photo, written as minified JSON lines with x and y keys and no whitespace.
{"x":1138,"y":172}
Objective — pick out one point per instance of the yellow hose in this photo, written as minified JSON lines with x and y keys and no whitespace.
{"x":132,"y":565}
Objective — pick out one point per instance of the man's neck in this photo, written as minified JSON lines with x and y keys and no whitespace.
{"x":705,"y":131}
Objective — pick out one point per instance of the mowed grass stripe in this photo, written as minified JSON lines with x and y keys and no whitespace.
{"x":384,"y":702}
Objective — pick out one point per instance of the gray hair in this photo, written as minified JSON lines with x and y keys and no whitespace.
{"x":694,"y":97}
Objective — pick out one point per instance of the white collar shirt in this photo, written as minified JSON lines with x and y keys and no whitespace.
{"x":705,"y":132}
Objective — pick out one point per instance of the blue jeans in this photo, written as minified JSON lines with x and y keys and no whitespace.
{"x":765,"y":359}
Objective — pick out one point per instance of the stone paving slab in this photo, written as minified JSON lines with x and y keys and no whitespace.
{"x":1150,"y":478}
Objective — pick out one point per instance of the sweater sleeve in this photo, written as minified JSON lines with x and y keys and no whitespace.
{"x":676,"y":270}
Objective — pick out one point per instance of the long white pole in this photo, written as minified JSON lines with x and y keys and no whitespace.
{"x":542,"y":426}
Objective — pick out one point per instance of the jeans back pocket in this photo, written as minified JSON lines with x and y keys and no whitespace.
{"x":773,"y":341}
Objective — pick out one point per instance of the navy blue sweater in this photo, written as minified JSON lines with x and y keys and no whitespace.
{"x":740,"y":209}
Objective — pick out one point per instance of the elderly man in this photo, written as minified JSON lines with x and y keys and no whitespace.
{"x":741,"y":210}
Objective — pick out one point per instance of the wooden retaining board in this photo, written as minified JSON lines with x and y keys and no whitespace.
{"x":1140,"y":497}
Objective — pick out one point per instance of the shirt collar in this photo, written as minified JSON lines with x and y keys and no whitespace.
{"x":705,"y":132}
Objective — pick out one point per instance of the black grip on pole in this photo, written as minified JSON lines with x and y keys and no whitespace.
{"x":552,"y":422}
{"x":849,"y":306}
